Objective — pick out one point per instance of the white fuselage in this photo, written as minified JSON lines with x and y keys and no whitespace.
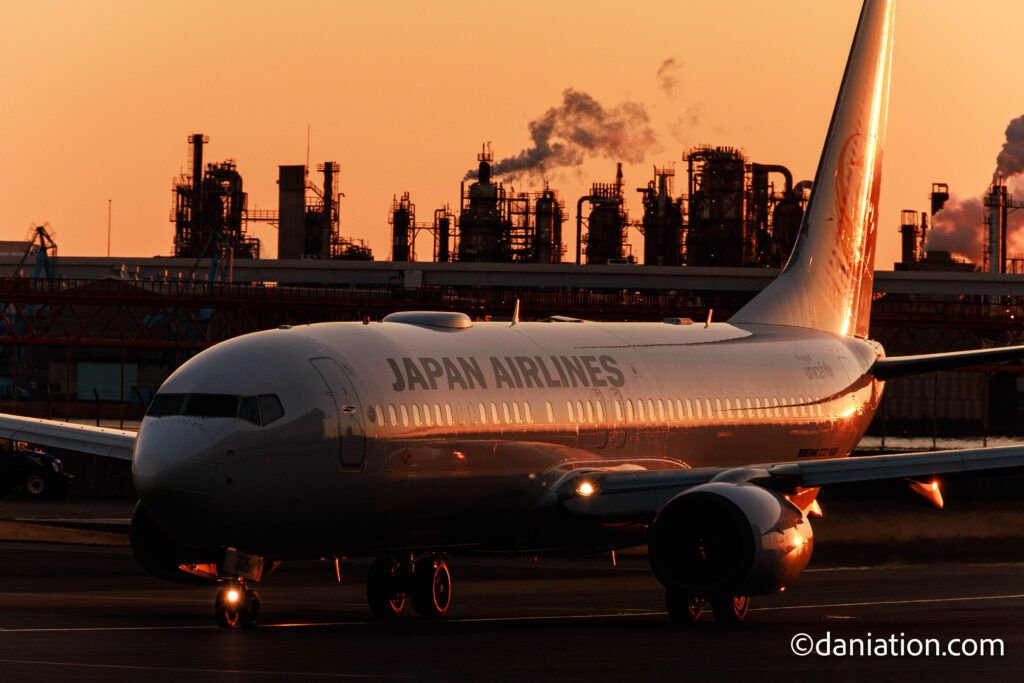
{"x":405,"y":436}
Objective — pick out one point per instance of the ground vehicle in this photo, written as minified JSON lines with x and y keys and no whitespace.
{"x":39,"y":474}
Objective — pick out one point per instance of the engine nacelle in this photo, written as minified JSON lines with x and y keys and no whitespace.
{"x":162,"y":557}
{"x":725,"y":538}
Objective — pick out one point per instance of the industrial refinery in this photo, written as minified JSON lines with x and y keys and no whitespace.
{"x":94,"y":337}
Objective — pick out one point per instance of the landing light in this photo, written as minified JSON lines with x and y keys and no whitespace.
{"x":232,"y":596}
{"x":586,"y":488}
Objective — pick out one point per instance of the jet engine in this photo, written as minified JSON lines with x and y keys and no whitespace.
{"x":165,"y":559}
{"x":732,"y":539}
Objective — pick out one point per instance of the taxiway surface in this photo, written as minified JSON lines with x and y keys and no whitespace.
{"x":70,"y":612}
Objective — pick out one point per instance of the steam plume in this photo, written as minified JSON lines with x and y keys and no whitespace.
{"x":957,"y":228}
{"x":1010,"y":161}
{"x":668,"y":75}
{"x":578,"y":128}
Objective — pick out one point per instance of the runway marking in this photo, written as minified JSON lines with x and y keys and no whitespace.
{"x":482,"y":620}
{"x":246,"y":672}
{"x":875,"y":603}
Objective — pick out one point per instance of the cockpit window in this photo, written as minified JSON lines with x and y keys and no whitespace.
{"x":249,"y":409}
{"x":260,"y":410}
{"x":270,"y":408}
{"x":166,"y":404}
{"x":212,"y":405}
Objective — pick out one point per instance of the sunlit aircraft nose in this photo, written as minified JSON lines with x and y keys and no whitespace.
{"x":173,"y":472}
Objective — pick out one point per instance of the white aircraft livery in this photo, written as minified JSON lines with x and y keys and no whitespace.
{"x":429,"y":434}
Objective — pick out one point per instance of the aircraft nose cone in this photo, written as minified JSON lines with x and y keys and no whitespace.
{"x":173,"y":472}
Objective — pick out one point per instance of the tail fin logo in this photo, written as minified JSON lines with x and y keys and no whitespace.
{"x":827,"y":282}
{"x":850,"y":172}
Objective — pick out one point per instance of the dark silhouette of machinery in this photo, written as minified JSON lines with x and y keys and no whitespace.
{"x":503,"y":226}
{"x":607,"y":223}
{"x":662,"y":225}
{"x":209,"y":209}
{"x":308,"y":217}
{"x":736,"y":216}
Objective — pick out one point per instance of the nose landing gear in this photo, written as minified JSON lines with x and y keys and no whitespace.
{"x":392,"y":580}
{"x":236,"y":605}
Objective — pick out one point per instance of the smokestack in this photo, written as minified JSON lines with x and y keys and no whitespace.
{"x":909,"y":231}
{"x":995,"y":227}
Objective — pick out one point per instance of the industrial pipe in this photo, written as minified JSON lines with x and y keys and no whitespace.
{"x":776,"y":168}
{"x":579,"y":224}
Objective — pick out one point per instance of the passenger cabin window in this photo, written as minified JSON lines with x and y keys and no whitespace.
{"x":448,"y":414}
{"x":392,"y":415}
{"x":568,"y":408}
{"x":629,"y":410}
{"x":529,"y":413}
{"x":379,"y":412}
{"x":405,"y":415}
{"x":551,"y":411}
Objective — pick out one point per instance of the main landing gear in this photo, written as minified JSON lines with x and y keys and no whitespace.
{"x":426,"y":581}
{"x":685,"y":609}
{"x":237,"y":606}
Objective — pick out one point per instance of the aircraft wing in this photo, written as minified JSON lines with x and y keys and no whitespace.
{"x":901,"y":366}
{"x":638,"y":495}
{"x":112,"y":443}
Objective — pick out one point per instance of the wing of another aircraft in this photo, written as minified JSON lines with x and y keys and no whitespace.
{"x":638,"y":495}
{"x":112,"y":443}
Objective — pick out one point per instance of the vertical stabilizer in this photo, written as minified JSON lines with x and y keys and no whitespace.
{"x":826,"y":284}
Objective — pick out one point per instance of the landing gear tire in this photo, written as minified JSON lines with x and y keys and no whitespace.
{"x":237,"y":606}
{"x":682,"y":608}
{"x":383,"y":588}
{"x":730,"y":609}
{"x":36,"y":485}
{"x":226,"y":609}
{"x":431,"y":587}
{"x":249,"y":614}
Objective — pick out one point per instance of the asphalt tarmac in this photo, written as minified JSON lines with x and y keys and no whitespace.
{"x":83,"y":613}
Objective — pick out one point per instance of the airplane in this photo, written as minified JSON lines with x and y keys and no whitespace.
{"x":429,"y":434}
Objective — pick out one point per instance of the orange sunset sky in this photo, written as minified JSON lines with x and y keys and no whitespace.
{"x":101,"y":96}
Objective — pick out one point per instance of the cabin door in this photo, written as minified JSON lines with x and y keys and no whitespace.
{"x":348,"y":415}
